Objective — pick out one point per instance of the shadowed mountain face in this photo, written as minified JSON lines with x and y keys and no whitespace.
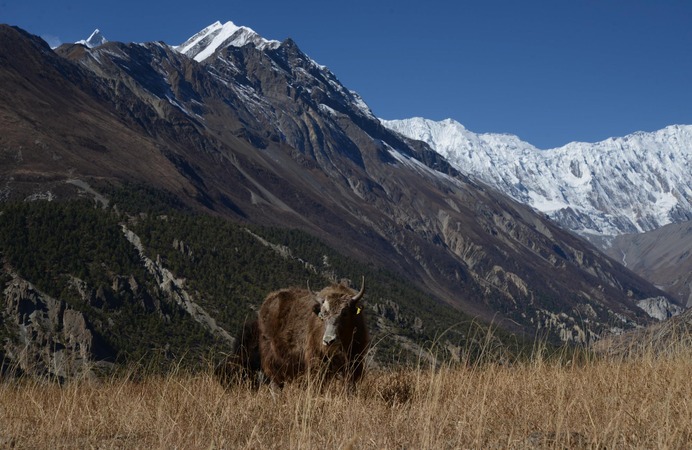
{"x":661,"y":256}
{"x":268,"y":136}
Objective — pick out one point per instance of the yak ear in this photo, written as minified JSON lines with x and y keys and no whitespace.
{"x":317,"y":308}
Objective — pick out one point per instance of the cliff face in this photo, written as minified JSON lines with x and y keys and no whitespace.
{"x":51,"y":338}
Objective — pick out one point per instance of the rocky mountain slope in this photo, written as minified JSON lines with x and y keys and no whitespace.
{"x":622,"y":185}
{"x":662,"y":256}
{"x":260,"y":133}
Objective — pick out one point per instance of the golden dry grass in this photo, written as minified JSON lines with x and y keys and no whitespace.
{"x":642,"y":403}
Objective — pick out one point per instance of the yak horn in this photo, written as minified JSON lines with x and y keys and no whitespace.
{"x":358,"y":296}
{"x":320,"y":300}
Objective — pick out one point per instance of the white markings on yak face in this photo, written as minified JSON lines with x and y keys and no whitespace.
{"x":338,"y":312}
{"x":331,"y":313}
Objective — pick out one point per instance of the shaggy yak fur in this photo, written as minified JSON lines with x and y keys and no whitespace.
{"x":323,"y":333}
{"x":243,"y":364}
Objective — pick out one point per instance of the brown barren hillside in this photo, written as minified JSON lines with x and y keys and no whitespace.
{"x":53,"y":130}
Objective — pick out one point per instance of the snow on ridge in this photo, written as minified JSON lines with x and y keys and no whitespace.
{"x":620,"y":185}
{"x":217,"y":35}
{"x":94,"y":40}
{"x":197,"y":37}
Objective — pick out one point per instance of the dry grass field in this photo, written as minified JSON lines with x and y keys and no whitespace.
{"x":636,"y":403}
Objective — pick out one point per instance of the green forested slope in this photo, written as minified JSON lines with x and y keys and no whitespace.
{"x":77,"y":252}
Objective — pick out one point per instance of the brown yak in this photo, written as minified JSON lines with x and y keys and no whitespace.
{"x":319,"y":333}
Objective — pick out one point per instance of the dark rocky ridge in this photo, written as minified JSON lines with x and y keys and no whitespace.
{"x":271,"y":138}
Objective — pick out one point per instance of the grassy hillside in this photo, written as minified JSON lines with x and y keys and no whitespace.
{"x":640,"y":403}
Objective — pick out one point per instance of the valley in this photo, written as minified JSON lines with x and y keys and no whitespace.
{"x":234,"y":131}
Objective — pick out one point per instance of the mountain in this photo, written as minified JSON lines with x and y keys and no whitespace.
{"x":255,"y":132}
{"x":615,"y":193}
{"x":618,"y":186}
{"x":661,"y":256}
{"x":217,"y":35}
{"x":96,"y":39}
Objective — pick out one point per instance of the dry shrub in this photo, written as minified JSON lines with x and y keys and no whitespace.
{"x":396,"y":387}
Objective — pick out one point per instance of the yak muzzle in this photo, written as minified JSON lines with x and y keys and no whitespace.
{"x":330,"y":334}
{"x":328,"y":340}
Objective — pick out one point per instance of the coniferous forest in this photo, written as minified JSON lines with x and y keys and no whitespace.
{"x":77,"y":252}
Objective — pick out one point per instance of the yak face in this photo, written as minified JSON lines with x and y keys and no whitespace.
{"x":338,"y":315}
{"x":338,"y":308}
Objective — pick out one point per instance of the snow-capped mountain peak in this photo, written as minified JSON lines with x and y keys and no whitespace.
{"x":620,"y":185}
{"x":208,"y":41}
{"x":94,"y":40}
{"x":217,"y":35}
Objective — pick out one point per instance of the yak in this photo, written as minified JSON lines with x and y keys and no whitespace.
{"x":304,"y":332}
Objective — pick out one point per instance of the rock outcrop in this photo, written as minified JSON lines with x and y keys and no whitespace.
{"x":52,"y":339}
{"x":173,"y":289}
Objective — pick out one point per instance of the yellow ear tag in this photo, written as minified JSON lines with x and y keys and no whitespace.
{"x":357,"y":309}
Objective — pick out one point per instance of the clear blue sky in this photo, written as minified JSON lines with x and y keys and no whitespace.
{"x":549,"y":71}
